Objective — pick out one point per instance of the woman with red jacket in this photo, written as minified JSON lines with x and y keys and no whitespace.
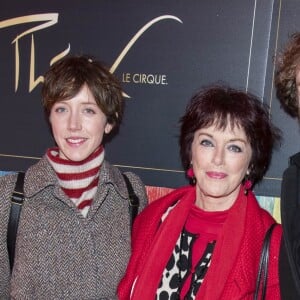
{"x":204,"y":241}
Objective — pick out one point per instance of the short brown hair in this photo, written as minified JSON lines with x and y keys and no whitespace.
{"x":67,"y":76}
{"x":287,"y":66}
{"x":223,"y":106}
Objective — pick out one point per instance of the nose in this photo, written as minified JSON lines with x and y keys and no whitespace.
{"x":218,"y":156}
{"x":74,"y":121}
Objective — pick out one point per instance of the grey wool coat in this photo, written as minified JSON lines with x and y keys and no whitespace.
{"x":59,"y":253}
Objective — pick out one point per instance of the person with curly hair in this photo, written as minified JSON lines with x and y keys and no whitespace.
{"x":287,"y":82}
{"x":287,"y":76}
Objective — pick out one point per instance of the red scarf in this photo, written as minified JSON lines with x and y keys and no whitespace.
{"x":153,"y":243}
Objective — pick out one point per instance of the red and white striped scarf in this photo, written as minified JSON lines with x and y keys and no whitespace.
{"x":79,"y":180}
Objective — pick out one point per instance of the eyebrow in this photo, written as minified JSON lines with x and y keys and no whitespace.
{"x":231,"y":140}
{"x":66,"y":101}
{"x":90,"y":103}
{"x":239,"y":140}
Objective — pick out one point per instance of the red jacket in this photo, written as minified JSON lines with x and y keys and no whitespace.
{"x":233,"y":270}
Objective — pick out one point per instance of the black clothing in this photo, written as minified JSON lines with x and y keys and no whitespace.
{"x":289,"y":262}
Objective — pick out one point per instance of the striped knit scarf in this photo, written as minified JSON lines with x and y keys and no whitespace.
{"x":79,"y":180}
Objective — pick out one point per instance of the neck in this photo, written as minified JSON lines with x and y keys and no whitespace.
{"x":212,"y":203}
{"x":78,"y":180}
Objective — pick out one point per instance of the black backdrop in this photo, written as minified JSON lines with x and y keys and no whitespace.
{"x":162,"y":51}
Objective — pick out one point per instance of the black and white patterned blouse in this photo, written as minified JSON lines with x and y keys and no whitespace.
{"x":179,"y":266}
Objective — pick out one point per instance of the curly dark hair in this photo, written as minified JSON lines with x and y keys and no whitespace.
{"x":224,"y":106}
{"x":67,"y":76}
{"x":287,"y":66}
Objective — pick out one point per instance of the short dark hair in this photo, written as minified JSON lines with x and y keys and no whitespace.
{"x":220,"y":105}
{"x":287,"y":66}
{"x":67,"y":76}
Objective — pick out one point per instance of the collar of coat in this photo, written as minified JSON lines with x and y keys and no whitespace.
{"x":42,"y":175}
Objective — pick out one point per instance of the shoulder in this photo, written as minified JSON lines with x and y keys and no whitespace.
{"x":258,"y":221}
{"x":295,"y":159}
{"x":113,"y":175}
{"x":290,"y":185}
{"x":148,"y":221}
{"x":7,"y":183}
{"x":267,"y":221}
{"x":293,"y":168}
{"x":266,"y":224}
{"x":39,"y":176}
{"x":255,"y":210}
{"x":7,"y":178}
{"x":34,"y":175}
{"x":134,"y":179}
{"x":139,"y":188}
{"x":154,"y":211}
